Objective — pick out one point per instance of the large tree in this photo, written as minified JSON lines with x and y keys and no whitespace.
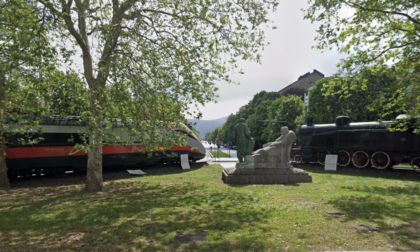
{"x":64,"y":93}
{"x":364,"y":97}
{"x":149,"y":62}
{"x":259,"y":111}
{"x":24,"y":56}
{"x":226,"y":130}
{"x":373,"y":32}
{"x":255,"y":110}
{"x":286,"y":108}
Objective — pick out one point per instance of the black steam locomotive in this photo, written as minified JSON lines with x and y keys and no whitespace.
{"x":361,"y":144}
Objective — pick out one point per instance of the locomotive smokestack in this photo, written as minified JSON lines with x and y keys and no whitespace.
{"x":309,"y":121}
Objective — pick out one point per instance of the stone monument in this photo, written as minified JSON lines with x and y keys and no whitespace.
{"x":269,"y":165}
{"x":244,"y":142}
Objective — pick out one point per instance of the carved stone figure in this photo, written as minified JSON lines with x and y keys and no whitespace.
{"x":284,"y":144}
{"x":277,"y":153}
{"x":244,"y":141}
{"x":270,"y":165}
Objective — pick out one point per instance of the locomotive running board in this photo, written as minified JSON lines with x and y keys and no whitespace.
{"x":136,"y":172}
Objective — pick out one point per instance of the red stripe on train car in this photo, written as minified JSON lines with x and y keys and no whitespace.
{"x":28,"y":152}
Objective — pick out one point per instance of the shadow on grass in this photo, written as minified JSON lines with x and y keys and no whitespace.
{"x":108,"y":175}
{"x":393,"y":209}
{"x":382,"y":207}
{"x":131,"y":215}
{"x":286,"y":185}
{"x":365,"y":172}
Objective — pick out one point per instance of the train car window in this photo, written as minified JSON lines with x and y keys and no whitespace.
{"x":11,"y":139}
{"x":46,"y":139}
{"x":17,"y":140}
{"x":59,"y":139}
{"x":183,"y":131}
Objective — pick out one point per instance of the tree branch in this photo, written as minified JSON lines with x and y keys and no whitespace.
{"x":112,"y":39}
{"x":87,"y":58}
{"x":354,"y":5}
{"x":389,"y":49}
{"x":81,"y":12}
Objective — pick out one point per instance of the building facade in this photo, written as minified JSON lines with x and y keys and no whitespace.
{"x":305,"y":81}
{"x":303,"y":84}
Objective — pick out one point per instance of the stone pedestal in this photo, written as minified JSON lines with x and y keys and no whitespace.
{"x":246,"y":176}
{"x":252,"y":172}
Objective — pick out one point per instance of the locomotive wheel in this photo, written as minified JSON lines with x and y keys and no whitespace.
{"x":297,"y":159}
{"x":321,"y":156}
{"x":415,"y":163}
{"x":380,"y":160}
{"x":343,"y":159}
{"x":360,"y":159}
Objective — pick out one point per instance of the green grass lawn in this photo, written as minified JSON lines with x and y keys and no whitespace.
{"x":219,"y":154}
{"x":144,"y":213}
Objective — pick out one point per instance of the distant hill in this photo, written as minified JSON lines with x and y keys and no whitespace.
{"x":204,"y":126}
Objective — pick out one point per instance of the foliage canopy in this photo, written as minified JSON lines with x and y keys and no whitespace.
{"x":264,"y":106}
{"x":363,"y":97}
{"x":374,"y":33}
{"x":25,"y":55}
{"x":151,"y":62}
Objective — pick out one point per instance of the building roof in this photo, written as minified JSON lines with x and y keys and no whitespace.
{"x":303,"y":77}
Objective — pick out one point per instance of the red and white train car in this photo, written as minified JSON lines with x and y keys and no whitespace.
{"x":55,"y":154}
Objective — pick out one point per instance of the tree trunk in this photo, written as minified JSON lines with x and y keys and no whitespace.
{"x":94,"y":179}
{"x":4,"y":180}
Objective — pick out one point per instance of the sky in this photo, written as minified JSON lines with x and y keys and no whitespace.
{"x":289,"y":55}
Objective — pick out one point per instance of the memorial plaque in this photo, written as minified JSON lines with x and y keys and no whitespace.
{"x":365,"y":227}
{"x":308,"y":203}
{"x":185,"y":164}
{"x":331,"y":162}
{"x":334,"y":212}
